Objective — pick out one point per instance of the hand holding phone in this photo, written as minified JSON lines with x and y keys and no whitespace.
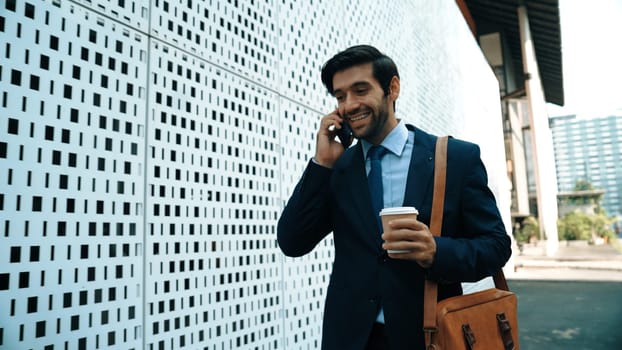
{"x":328,"y":149}
{"x":345,"y":133}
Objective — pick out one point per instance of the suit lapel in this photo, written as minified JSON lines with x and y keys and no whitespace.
{"x":421,"y":171}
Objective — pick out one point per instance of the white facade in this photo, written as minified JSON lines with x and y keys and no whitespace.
{"x":147,"y":149}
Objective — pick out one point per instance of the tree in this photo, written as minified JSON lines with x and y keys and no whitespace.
{"x":580,"y":226}
{"x":528,"y":230}
{"x":588,"y":221}
{"x":583,"y":185}
{"x":574,"y":226}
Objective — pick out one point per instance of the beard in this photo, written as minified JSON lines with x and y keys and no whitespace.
{"x":377,"y":123}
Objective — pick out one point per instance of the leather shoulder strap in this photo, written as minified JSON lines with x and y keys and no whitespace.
{"x":440,"y":172}
{"x":430,"y":294}
{"x":436,"y":221}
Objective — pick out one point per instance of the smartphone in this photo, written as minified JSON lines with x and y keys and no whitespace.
{"x":345,"y":134}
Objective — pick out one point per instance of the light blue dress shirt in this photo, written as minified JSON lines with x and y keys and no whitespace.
{"x":395,"y":165}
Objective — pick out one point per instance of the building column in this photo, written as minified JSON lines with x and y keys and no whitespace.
{"x":542,"y":141}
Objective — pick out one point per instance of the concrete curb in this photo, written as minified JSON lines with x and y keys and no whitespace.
{"x":577,"y":261}
{"x":582,"y":265}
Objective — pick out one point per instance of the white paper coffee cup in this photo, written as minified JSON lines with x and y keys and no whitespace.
{"x":388,"y":214}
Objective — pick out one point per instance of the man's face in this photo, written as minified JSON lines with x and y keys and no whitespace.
{"x":361,"y":102}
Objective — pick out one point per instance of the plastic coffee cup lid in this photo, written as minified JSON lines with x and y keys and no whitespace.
{"x":399,"y":210}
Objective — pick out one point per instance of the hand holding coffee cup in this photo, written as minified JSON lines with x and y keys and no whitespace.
{"x":405,"y":237}
{"x":388,"y":214}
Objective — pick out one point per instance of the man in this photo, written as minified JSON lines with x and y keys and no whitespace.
{"x":375,"y":299}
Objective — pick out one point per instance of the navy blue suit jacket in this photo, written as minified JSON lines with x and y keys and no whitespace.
{"x":474,"y":243}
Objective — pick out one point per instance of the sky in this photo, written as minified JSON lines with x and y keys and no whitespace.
{"x":591,"y":57}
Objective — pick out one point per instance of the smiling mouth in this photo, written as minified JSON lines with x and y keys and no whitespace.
{"x":359,"y":117}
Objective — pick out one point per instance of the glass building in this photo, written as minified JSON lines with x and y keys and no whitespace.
{"x":589,"y":149}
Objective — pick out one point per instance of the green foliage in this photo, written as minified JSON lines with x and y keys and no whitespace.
{"x":583,"y":194}
{"x":583,"y":185}
{"x":581,"y":226}
{"x":602,"y":225}
{"x":574,"y":226}
{"x":528,"y":230}
{"x":578,"y":225}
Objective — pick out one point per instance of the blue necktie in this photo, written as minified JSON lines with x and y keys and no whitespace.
{"x":374,"y":180}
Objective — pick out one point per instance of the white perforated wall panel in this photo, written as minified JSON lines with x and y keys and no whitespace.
{"x":148,"y":147}
{"x":73,"y":129}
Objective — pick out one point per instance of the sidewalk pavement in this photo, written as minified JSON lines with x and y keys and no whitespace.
{"x":574,"y":261}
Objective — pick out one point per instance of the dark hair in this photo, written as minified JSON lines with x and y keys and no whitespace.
{"x":383,"y":67}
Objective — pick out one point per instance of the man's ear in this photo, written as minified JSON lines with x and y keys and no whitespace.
{"x":394,"y":88}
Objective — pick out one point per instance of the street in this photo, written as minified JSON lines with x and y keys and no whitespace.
{"x":561,"y":315}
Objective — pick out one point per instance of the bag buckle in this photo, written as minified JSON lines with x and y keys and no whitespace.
{"x":469,"y":336}
{"x":506,"y":331}
{"x":429,"y":332}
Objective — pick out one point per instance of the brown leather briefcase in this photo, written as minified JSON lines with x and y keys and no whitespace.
{"x":484,"y":320}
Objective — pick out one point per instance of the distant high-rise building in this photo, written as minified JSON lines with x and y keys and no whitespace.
{"x":589,"y":149}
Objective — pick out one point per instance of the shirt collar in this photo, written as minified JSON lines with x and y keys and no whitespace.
{"x":395,"y":141}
